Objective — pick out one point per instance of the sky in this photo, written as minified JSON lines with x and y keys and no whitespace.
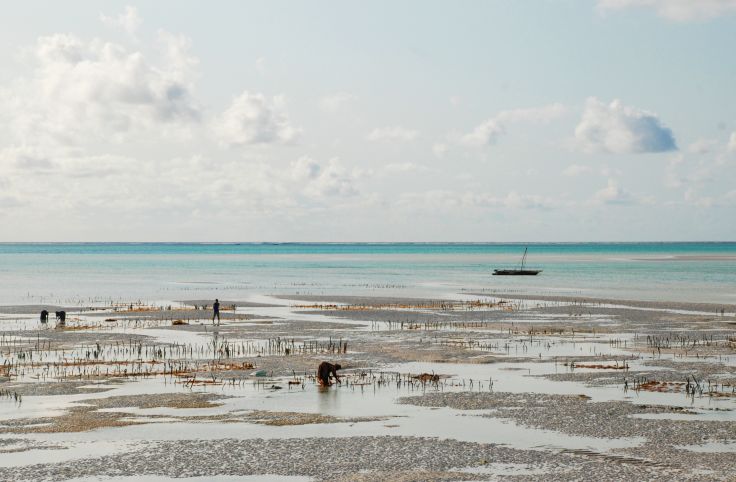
{"x":342,"y":121}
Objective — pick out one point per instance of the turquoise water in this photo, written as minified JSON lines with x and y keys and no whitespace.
{"x":82,"y":272}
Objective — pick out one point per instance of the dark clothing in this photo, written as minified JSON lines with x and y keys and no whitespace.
{"x":61,"y":317}
{"x":216,"y":311}
{"x":324,"y":371}
{"x":44,"y":316}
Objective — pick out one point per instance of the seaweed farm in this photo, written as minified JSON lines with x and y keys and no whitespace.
{"x":491,"y":376}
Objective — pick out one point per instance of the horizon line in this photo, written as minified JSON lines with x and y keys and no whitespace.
{"x":281,"y":243}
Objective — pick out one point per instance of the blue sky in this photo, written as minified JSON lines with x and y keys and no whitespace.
{"x":347,"y":121}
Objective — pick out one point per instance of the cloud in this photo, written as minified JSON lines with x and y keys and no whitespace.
{"x":488,"y":132}
{"x":261,"y":65}
{"x":439,"y":149}
{"x":402,"y":167}
{"x":621,"y":129}
{"x":80,"y":90}
{"x":324,"y":180}
{"x":528,"y":201}
{"x":26,"y":158}
{"x":133,"y":191}
{"x":613,"y":194}
{"x":693,"y":198}
{"x":334,"y":102}
{"x":393,"y":133}
{"x":676,"y":10}
{"x":444,"y":200}
{"x":576,"y":170}
{"x":86,"y":151}
{"x":181,"y":64}
{"x":405,"y":167}
{"x":9,"y":202}
{"x":255,"y":119}
{"x":703,"y":146}
{"x":305,"y":169}
{"x":129,"y":21}
{"x":608,"y":171}
{"x":697,"y":173}
{"x":672,"y":178}
{"x":732,"y":142}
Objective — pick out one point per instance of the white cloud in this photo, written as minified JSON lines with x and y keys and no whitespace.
{"x":614,"y":194}
{"x":323,"y":180}
{"x":732,"y":142}
{"x":608,"y":171}
{"x":672,"y":178}
{"x":528,"y":201}
{"x":444,"y":200}
{"x":692,"y":197}
{"x":334,"y":102}
{"x":684,"y":172}
{"x":305,"y":169}
{"x":261,"y":65}
{"x":129,"y":21}
{"x":180,"y":63}
{"x":621,"y":129}
{"x":677,"y":10}
{"x":255,"y":119}
{"x":26,"y":158}
{"x":60,"y":167}
{"x":392,"y":133}
{"x":80,"y":90}
{"x":402,"y":167}
{"x":576,"y":170}
{"x":439,"y":149}
{"x":114,"y":188}
{"x":488,"y":132}
{"x":703,"y":146}
{"x":9,"y":202}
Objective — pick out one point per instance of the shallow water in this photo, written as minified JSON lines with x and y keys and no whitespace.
{"x":340,"y":401}
{"x":80,"y":274}
{"x":352,"y":400}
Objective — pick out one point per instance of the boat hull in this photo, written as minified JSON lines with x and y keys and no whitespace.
{"x":516,"y":272}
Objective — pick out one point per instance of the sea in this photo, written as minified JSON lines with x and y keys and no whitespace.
{"x":97,"y":273}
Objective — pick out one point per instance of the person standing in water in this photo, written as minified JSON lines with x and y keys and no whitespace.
{"x":216,"y":311}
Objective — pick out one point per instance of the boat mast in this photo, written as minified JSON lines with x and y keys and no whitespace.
{"x":523,"y":258}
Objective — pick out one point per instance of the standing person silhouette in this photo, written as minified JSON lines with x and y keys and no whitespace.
{"x":216,"y":311}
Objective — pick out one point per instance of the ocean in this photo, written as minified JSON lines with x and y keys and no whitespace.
{"x":84,"y":273}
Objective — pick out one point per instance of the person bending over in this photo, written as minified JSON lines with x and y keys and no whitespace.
{"x":324,"y":371}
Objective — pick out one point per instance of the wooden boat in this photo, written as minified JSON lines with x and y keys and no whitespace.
{"x":518,"y":272}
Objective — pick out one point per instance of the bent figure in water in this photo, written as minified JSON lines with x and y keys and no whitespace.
{"x":324,"y":371}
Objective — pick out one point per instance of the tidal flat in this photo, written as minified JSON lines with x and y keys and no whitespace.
{"x":472,"y":386}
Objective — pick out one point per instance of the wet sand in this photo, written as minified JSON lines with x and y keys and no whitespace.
{"x":473,"y":387}
{"x":660,"y":305}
